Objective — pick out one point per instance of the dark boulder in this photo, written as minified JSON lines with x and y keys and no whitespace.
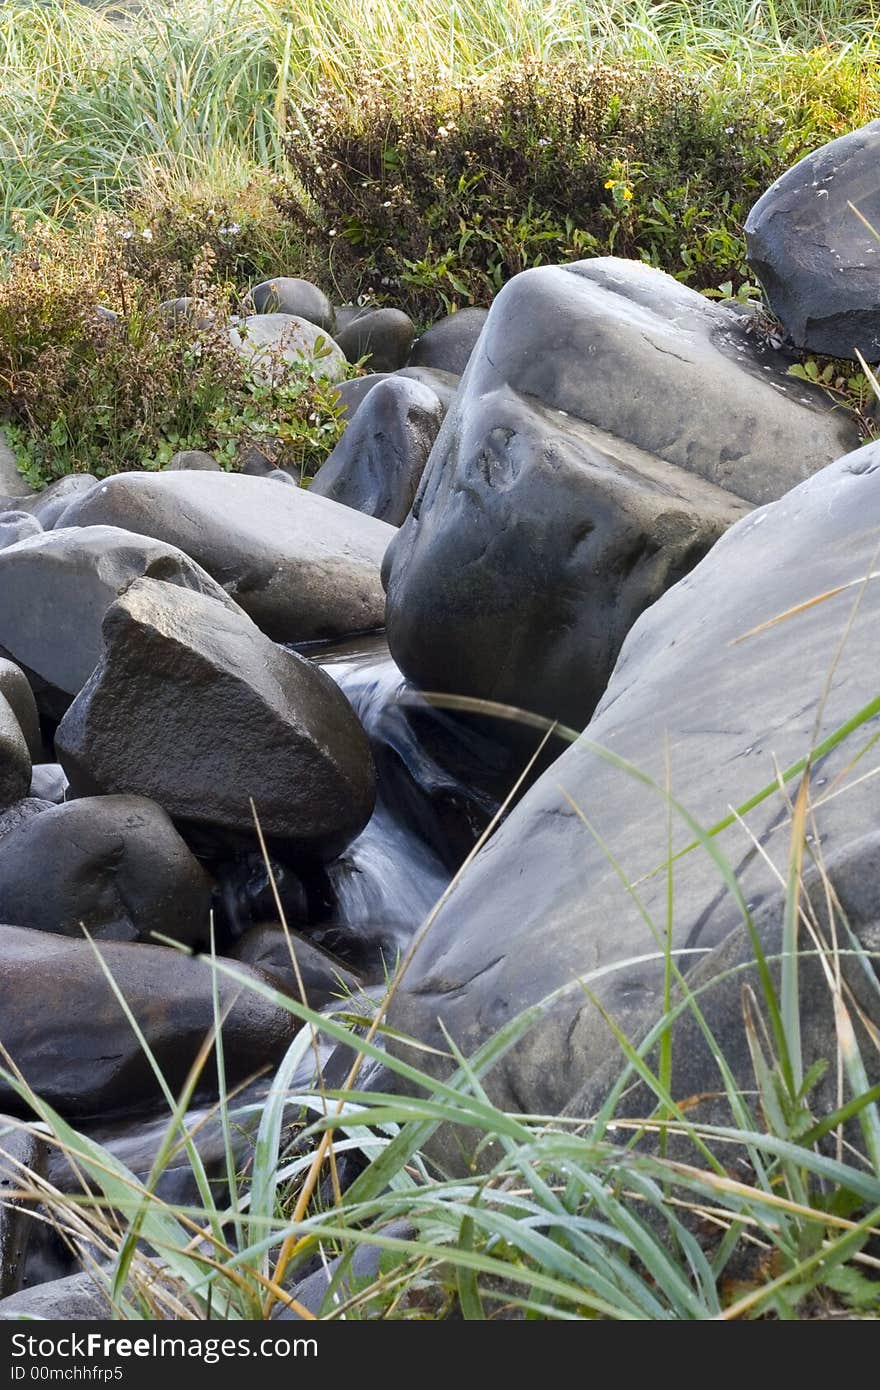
{"x":303,"y":567}
{"x":817,"y":260}
{"x":449,"y":342}
{"x":193,"y":460}
{"x":23,"y":1162}
{"x":559,"y":502}
{"x":382,"y":336}
{"x":718,"y":681}
{"x":285,"y":294}
{"x":21,"y":812}
{"x":16,"y":691}
{"x":64,"y":1027}
{"x":112,"y":864}
{"x":324,"y":977}
{"x":193,"y":706}
{"x":378,"y":463}
{"x":57,"y":587}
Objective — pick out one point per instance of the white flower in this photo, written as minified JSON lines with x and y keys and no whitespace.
{"x":147,"y":234}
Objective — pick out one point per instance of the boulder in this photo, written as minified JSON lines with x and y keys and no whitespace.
{"x":14,"y":526}
{"x":112,"y":864}
{"x":285,"y":294}
{"x":195,"y":460}
{"x":273,"y":342}
{"x":449,"y":342}
{"x":23,"y":1157}
{"x":324,"y":977}
{"x":353,"y":393}
{"x":57,"y":587}
{"x":16,"y":691}
{"x":718,"y":680}
{"x":47,"y":506}
{"x":378,"y":463}
{"x":21,"y":812}
{"x":76,"y":1298}
{"x":48,"y":783}
{"x":817,"y":260}
{"x":193,"y":706}
{"x":559,"y":502}
{"x":63,"y":1025}
{"x":303,"y":567}
{"x":382,"y":336}
{"x":15,"y":760}
{"x":443,"y":384}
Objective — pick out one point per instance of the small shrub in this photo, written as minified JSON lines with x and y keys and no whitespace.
{"x":85,"y":391}
{"x":432,"y":195}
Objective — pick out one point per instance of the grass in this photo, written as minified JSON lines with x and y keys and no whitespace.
{"x":100,"y":101}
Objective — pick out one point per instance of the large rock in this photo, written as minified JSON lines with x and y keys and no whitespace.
{"x":16,"y":691}
{"x":610,"y":425}
{"x":449,"y":342}
{"x":272,"y":342}
{"x":193,"y":706}
{"x":47,"y":506}
{"x":817,"y":260}
{"x":303,"y":567}
{"x":112,"y":864}
{"x":63,"y":1025}
{"x":14,"y":526}
{"x":377,"y":465}
{"x":709,"y":679}
{"x":15,"y":760}
{"x":56,"y":588}
{"x":76,"y":1298}
{"x":286,"y":294}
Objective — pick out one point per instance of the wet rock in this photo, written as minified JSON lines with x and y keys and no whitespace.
{"x":382,"y":336}
{"x":15,"y":761}
{"x":118,"y":868}
{"x":558,"y":503}
{"x":267,"y":340}
{"x":65,"y":1028}
{"x":285,"y":294}
{"x":324,"y":978}
{"x":449,"y":342}
{"x":195,"y":460}
{"x":193,"y":706}
{"x":16,"y":691}
{"x":14,"y":526}
{"x":57,"y":587}
{"x":817,"y":260}
{"x":303,"y":567}
{"x":23,"y":1156}
{"x":542,"y":907}
{"x":378,"y":463}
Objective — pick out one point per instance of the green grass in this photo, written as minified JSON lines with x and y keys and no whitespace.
{"x":96,"y":102}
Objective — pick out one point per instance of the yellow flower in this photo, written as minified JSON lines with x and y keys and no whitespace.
{"x":609,"y":183}
{"x":627,"y":193}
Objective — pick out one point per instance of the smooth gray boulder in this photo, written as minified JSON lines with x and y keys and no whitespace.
{"x":63,"y":1025}
{"x":354,"y":392}
{"x":48,"y":782}
{"x":15,"y":760}
{"x":817,"y":260}
{"x":449,"y":342}
{"x":303,"y":567}
{"x":194,"y":707}
{"x":560,"y":501}
{"x":47,"y":506}
{"x":14,"y":526}
{"x":193,"y":460}
{"x":77,"y":1298}
{"x":378,"y":463}
{"x":16,"y":691}
{"x":287,"y":294}
{"x":271,"y":343}
{"x":56,"y":588}
{"x":382,"y":336}
{"x":716,"y":678}
{"x":112,"y":864}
